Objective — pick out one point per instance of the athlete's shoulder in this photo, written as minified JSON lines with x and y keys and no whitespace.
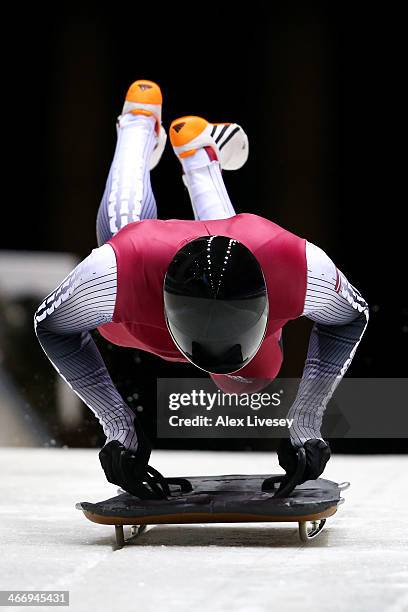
{"x":259,"y":221}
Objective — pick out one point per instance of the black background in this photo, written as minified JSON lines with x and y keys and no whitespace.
{"x":318,"y":92}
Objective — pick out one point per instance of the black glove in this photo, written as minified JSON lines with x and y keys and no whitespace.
{"x":130,"y":470}
{"x":317,"y":455}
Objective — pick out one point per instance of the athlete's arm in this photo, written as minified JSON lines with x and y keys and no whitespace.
{"x":84,"y":300}
{"x":341,"y":316}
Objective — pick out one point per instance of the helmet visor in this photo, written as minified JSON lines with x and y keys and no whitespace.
{"x":219,"y":337}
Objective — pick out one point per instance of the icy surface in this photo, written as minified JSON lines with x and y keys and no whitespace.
{"x":359,"y":563}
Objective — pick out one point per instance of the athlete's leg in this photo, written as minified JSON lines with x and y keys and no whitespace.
{"x":128,"y":194}
{"x":204,"y":150}
{"x":208,"y":194}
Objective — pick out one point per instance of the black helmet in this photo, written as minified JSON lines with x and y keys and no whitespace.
{"x":216,"y":303}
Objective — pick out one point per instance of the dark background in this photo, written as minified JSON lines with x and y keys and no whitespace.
{"x":316,"y":90}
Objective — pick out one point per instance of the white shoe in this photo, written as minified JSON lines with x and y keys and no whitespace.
{"x":228,"y":141}
{"x":145,"y":98}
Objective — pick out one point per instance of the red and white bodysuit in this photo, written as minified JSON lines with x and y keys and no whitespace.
{"x":118,"y":289}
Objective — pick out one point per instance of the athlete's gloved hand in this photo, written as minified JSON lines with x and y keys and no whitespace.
{"x":130,"y":470}
{"x":317,"y":455}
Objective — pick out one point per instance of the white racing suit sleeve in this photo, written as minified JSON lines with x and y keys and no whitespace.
{"x":85,"y":299}
{"x":341,"y":316}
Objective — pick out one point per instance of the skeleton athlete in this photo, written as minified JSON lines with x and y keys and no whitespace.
{"x":215,"y":291}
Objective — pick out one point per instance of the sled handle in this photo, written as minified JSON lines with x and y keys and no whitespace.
{"x":184,"y":484}
{"x":287,"y":484}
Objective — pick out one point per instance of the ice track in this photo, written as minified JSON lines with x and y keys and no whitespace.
{"x":359,"y":563}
